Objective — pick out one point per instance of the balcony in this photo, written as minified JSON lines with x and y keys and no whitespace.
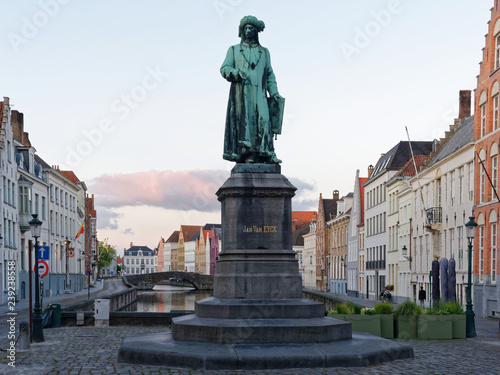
{"x":434,"y":218}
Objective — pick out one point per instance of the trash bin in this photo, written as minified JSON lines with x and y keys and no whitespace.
{"x":56,"y":315}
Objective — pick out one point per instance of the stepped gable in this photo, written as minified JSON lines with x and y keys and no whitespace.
{"x":458,"y":136}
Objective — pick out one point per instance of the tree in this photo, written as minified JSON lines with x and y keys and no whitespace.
{"x":106,"y":255}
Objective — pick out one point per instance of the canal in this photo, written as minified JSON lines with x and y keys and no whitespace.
{"x":164,"y":298}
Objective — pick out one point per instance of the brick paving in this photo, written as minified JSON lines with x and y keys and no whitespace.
{"x":93,"y":350}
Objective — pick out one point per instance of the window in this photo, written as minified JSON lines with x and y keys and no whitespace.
{"x":470,"y":182}
{"x":481,"y":252}
{"x":493,"y":252}
{"x":460,"y":248}
{"x":128,"y":261}
{"x":461,"y":172}
{"x":497,"y":51}
{"x":43,"y":208}
{"x":495,"y":112}
{"x":452,"y":239}
{"x":452,"y":188}
{"x":51,"y":222}
{"x":52,"y":192}
{"x":483,"y":120}
{"x":36,"y":203}
{"x":57,"y":195}
{"x":494,"y":175}
{"x":482,"y":178}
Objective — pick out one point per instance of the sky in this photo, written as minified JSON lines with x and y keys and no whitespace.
{"x":129,"y":96}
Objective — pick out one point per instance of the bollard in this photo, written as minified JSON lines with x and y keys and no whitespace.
{"x":24,"y":336}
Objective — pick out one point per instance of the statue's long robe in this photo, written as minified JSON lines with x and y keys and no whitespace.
{"x":248,"y":127}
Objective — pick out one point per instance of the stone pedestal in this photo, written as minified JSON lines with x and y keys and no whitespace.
{"x":257,"y":317}
{"x":257,"y":287}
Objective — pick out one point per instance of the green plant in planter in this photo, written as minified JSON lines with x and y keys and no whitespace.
{"x":368,"y":311}
{"x":407,"y":308}
{"x":383,"y":308}
{"x":438,"y":308}
{"x":454,"y":308}
{"x":347,"y":308}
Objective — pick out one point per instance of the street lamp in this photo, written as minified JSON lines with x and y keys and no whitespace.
{"x":470,"y":326}
{"x":67,"y":242}
{"x":36,"y":229}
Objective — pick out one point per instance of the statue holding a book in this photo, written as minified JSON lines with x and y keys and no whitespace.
{"x":255,"y":108}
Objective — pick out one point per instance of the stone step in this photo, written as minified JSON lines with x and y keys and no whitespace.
{"x":296,"y":308}
{"x":259,"y":331}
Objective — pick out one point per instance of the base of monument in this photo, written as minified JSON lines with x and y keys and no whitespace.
{"x":161,"y":350}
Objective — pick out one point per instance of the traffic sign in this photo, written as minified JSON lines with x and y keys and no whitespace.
{"x":88,"y":272}
{"x":43,"y":252}
{"x":43,"y":268}
{"x":71,"y":252}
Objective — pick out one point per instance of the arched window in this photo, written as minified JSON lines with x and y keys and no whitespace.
{"x":480,"y":234}
{"x":494,"y":96}
{"x":493,"y":245}
{"x":482,"y":110}
{"x":494,"y":170}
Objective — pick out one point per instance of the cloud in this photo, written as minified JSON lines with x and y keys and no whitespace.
{"x":181,"y":190}
{"x":128,"y":231}
{"x":107,"y":219}
{"x":305,"y":199}
{"x":184,"y":190}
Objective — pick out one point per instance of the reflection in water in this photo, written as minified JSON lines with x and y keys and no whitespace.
{"x":164,"y":298}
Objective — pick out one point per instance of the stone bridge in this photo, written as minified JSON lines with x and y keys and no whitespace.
{"x":148,"y":280}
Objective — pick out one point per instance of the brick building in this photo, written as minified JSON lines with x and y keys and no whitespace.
{"x":327,"y":210}
{"x":486,"y":197}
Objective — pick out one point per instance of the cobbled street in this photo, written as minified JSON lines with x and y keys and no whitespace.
{"x":92,"y":350}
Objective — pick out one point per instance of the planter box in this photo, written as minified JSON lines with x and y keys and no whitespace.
{"x":434,"y":327}
{"x":406,"y":327}
{"x":365,"y":323}
{"x":378,"y":325}
{"x":458,"y":326}
{"x":387,"y":326}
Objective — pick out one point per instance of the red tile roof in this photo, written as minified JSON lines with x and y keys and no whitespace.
{"x":302,"y":218}
{"x":408,"y":169}
{"x":174,"y":237}
{"x":70,"y":175}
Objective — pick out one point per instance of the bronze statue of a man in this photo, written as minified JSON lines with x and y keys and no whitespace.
{"x":252,"y":117}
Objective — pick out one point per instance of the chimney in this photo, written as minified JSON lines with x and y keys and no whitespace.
{"x":464,"y":104}
{"x":370,"y":170}
{"x":336,"y":195}
{"x":131,"y":244}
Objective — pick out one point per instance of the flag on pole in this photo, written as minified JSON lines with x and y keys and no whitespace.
{"x":82,"y":228}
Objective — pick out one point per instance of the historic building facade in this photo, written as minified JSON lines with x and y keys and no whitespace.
{"x":486,"y":198}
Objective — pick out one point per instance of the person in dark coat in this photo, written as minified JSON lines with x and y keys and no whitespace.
{"x":422,"y":296}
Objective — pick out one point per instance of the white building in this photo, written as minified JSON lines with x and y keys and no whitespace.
{"x":139,"y":260}
{"x":309,"y":258}
{"x":376,"y":211}
{"x":443,"y":207}
{"x":8,"y":205}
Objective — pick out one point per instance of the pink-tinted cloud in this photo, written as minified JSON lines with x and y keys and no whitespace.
{"x":184,"y":190}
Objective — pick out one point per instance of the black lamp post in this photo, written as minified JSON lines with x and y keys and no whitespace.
{"x":36,"y":228}
{"x":470,"y":326}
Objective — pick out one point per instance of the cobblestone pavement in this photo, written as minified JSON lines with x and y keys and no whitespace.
{"x":93,"y":350}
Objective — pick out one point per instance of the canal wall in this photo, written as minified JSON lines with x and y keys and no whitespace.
{"x":120,"y":295}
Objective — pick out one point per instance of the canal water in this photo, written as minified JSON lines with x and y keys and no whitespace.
{"x":164,"y":298}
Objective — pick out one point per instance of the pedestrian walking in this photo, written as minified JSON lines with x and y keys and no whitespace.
{"x":422,"y":296}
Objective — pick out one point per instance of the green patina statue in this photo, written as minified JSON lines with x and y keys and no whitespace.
{"x":252,"y":117}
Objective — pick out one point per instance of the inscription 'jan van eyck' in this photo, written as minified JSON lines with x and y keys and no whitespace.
{"x":260,"y":229}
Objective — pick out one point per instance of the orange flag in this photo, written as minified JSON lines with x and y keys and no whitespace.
{"x":82,"y":229}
